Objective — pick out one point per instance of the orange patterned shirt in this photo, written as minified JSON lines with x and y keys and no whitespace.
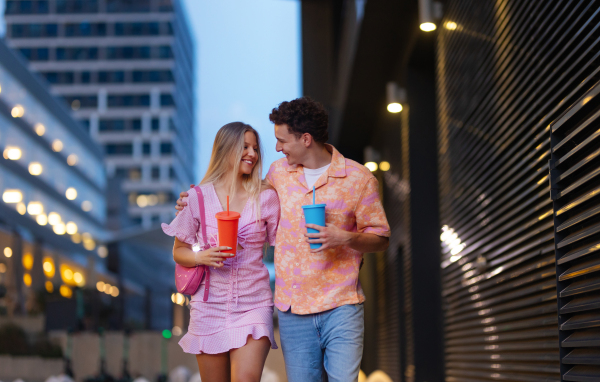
{"x":316,"y":282}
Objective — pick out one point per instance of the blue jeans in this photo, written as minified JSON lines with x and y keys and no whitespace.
{"x":329,"y":342}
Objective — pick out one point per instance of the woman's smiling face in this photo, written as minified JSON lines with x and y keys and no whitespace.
{"x":250,"y":154}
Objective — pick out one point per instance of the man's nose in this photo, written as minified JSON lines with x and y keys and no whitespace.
{"x":277,"y":147}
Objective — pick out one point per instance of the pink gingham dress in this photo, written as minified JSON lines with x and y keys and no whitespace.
{"x":240,"y":301}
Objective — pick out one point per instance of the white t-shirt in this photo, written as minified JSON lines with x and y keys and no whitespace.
{"x":312,"y":175}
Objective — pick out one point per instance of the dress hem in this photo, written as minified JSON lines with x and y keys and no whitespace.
{"x":225,"y":340}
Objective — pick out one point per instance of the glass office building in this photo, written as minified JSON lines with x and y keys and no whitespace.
{"x":53,"y":209}
{"x":126,"y":70}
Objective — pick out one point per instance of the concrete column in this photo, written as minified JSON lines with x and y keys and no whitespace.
{"x":155,"y":99}
{"x":155,"y":147}
{"x":146,"y":173}
{"x":137,"y":148}
{"x":146,"y":124}
{"x":37,"y":273}
{"x":94,"y":125}
{"x":102,"y":101}
{"x":164,"y":123}
{"x":164,"y":172}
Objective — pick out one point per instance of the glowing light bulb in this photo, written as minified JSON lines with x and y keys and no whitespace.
{"x":35,"y":208}
{"x":35,"y":168}
{"x":427,"y":27}
{"x":372,"y":166}
{"x":394,"y":107}
{"x":71,"y":193}
{"x":57,"y":145}
{"x":40,"y":129}
{"x":12,"y":196}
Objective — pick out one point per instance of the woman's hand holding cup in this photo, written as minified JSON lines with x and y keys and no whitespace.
{"x":212,"y":257}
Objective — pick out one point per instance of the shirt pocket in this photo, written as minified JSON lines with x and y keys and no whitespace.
{"x":341,"y":217}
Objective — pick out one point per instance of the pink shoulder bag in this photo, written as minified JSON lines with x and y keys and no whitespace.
{"x":187,"y":280}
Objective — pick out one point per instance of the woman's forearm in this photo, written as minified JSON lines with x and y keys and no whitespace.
{"x":183,"y":254}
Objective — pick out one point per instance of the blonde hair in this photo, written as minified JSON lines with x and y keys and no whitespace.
{"x":229,"y":143}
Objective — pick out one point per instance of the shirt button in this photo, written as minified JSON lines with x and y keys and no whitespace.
{"x":299,"y":240}
{"x":297,"y":264}
{"x":294,"y":287}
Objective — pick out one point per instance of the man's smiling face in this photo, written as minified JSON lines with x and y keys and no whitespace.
{"x":292,"y":147}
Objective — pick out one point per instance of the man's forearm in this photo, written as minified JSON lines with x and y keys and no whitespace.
{"x":367,"y":242}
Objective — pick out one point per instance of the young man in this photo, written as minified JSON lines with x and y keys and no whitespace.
{"x":317,"y":292}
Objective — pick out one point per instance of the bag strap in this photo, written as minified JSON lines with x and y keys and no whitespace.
{"x":202,"y":216}
{"x":204,"y":240}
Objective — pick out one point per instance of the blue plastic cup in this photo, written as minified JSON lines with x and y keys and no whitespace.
{"x":314,"y":214}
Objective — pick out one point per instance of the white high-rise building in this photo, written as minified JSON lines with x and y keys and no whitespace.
{"x":126,"y":69}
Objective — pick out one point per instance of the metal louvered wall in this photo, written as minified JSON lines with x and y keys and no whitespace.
{"x":506,"y":71}
{"x":575,"y":182}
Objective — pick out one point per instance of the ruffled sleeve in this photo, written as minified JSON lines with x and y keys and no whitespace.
{"x":270,"y":212}
{"x":186,"y":224}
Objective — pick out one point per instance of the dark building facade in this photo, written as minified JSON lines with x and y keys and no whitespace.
{"x":492,"y":185}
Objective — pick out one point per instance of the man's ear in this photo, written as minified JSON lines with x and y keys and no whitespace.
{"x":307,"y":139}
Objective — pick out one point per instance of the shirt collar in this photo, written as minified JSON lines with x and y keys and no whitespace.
{"x":338,"y":164}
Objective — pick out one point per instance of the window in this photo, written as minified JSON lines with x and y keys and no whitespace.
{"x":76,"y":6}
{"x":78,"y":54}
{"x":111,"y":77}
{"x":137,"y":29}
{"x":58,"y":77}
{"x":152,"y":76}
{"x":85,"y":77}
{"x":135,"y":173}
{"x":116,"y":125}
{"x":128,"y":100}
{"x":111,"y":125}
{"x":118,"y":149}
{"x":146,"y":148}
{"x":84,"y":101}
{"x":86,"y":124}
{"x":127,"y":6}
{"x":169,"y":28}
{"x":128,"y":52}
{"x":165,"y":6}
{"x":35,"y":54}
{"x":166,"y":100}
{"x":166,"y":148}
{"x":171,"y":124}
{"x":165,"y":51}
{"x":136,"y":124}
{"x":121,"y":172}
{"x":155,"y":172}
{"x":85,"y":29}
{"x":172,"y":174}
{"x":155,"y":124}
{"x":34,"y":30}
{"x":25,"y":7}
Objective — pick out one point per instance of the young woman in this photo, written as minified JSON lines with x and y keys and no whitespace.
{"x":231,"y":333}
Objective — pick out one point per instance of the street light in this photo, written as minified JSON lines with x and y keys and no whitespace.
{"x":429,"y":11}
{"x":396,"y":96}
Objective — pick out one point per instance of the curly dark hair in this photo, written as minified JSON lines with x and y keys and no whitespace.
{"x":302,"y":115}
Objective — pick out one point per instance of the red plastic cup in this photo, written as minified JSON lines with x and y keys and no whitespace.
{"x":227,"y":224}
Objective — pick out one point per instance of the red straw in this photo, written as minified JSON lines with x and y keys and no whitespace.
{"x":227,"y":205}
